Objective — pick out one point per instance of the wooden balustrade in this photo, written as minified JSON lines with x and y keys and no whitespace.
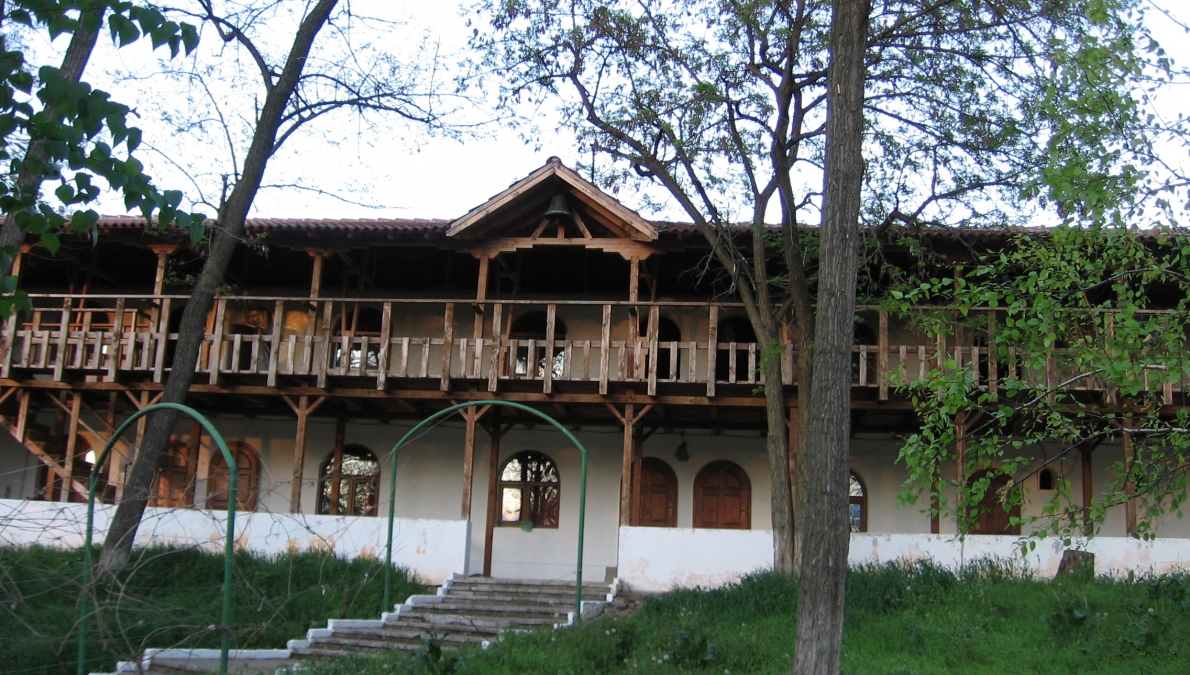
{"x":105,"y":337}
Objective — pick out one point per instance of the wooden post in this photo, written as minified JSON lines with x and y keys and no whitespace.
{"x":654,"y":328}
{"x":217,"y":345}
{"x":382,"y":359}
{"x":318,"y":255}
{"x":337,"y":468}
{"x":72,"y":431}
{"x":448,"y":332}
{"x":626,"y":477}
{"x":63,"y":336}
{"x":713,"y":350}
{"x":471,"y":415}
{"x":882,"y":358}
{"x":548,"y":376}
{"x":633,"y":296}
{"x":1088,"y":487}
{"x":960,"y":452}
{"x":497,"y":432}
{"x":303,"y":409}
{"x":605,"y":349}
{"x":1129,"y":484}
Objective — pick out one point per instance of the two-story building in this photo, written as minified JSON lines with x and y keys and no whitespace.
{"x":334,"y":337}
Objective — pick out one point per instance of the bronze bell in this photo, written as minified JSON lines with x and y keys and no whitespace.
{"x":558,"y":207}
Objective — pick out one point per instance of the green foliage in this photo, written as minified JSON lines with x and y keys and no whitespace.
{"x":989,"y":618}
{"x":172,"y":597}
{"x":1066,"y":312}
{"x":70,"y":134}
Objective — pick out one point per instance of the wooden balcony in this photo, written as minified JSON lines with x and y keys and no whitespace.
{"x":428,"y":343}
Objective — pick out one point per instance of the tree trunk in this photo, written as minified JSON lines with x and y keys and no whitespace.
{"x":777,"y":444}
{"x":824,"y":465}
{"x":32,"y":172}
{"x":226,"y":234}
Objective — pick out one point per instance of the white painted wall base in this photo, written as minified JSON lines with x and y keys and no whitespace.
{"x":431,"y":549}
{"x":1114,"y":556}
{"x":654,"y":559}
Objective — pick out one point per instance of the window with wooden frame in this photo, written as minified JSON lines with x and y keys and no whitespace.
{"x":529,"y":489}
{"x":219,"y":477}
{"x":857,"y":504}
{"x":175,"y":478}
{"x":349,"y":482}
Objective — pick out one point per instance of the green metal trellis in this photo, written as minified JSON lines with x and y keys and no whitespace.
{"x":582,"y":498}
{"x":228,"y":551}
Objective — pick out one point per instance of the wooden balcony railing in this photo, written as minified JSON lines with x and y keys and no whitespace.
{"x":379,"y":340}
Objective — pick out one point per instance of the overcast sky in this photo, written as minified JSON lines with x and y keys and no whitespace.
{"x":391,"y":170}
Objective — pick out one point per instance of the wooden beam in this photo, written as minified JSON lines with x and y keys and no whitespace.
{"x":1130,"y":515}
{"x":448,"y":332}
{"x":303,"y":409}
{"x":17,"y":432}
{"x":337,"y":467}
{"x":72,"y":432}
{"x":497,"y":432}
{"x":882,"y":358}
{"x":626,"y":466}
{"x":472,"y":416}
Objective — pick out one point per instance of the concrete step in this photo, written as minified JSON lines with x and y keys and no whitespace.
{"x":440,"y":621}
{"x":410,"y":627}
{"x":506,"y":608}
{"x":525,"y":597}
{"x":487,"y":582}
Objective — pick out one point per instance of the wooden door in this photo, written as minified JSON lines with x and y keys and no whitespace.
{"x":723,"y":497}
{"x":658,"y":494}
{"x":993,"y":517}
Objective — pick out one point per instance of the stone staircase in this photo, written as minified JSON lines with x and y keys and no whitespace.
{"x":466,"y":610}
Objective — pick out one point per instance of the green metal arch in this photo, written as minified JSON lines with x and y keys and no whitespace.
{"x":228,"y":550}
{"x":582,"y":499}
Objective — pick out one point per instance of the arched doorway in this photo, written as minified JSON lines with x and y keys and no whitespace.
{"x":348,"y":482}
{"x":175,"y":478}
{"x":992,"y":517}
{"x":723,"y":497}
{"x":658,"y":505}
{"x":218,"y":478}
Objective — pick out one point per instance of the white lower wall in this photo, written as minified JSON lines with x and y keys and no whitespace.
{"x":431,"y":549}
{"x":1114,"y":556}
{"x":654,"y":559}
{"x":660,"y":558}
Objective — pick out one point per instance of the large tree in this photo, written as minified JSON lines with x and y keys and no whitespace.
{"x":314,"y":77}
{"x":728,"y":107}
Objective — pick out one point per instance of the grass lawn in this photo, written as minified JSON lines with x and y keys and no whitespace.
{"x":169,"y":598}
{"x":917,"y":620}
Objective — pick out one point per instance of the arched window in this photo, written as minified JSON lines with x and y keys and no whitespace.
{"x":857,"y":504}
{"x":737,"y":329}
{"x":349,"y":482}
{"x":528,"y":489}
{"x":175,"y":478}
{"x":723,"y":497}
{"x":667,"y":334}
{"x":533,"y":326}
{"x":658,"y":505}
{"x":218,"y":478}
{"x":991,"y":516}
{"x":1045,"y":480}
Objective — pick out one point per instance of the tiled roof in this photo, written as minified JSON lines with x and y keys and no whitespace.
{"x":307,"y":224}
